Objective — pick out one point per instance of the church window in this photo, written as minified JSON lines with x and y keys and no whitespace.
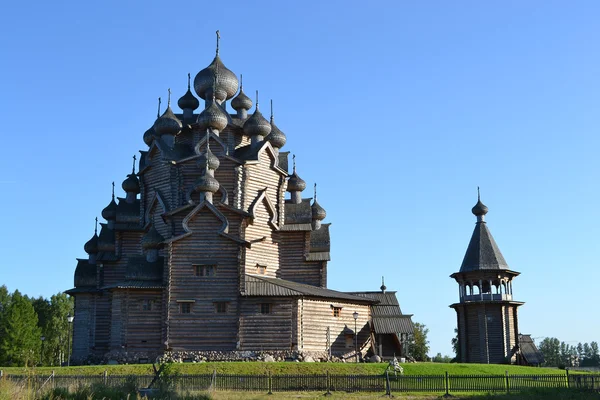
{"x":205,"y":270}
{"x":185,"y":308}
{"x":221,"y":307}
{"x":147,"y":305}
{"x":337,"y":311}
{"x":266,"y":308}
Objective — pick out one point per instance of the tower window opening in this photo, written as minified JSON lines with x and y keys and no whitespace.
{"x":337,"y":311}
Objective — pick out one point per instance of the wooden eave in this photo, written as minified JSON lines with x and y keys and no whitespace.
{"x":480,"y":272}
{"x":467,"y":303}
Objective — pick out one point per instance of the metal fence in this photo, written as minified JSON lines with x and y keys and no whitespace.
{"x":322,"y":383}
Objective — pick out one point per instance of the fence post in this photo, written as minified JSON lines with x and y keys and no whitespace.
{"x":213,"y":381}
{"x":105,"y":378}
{"x":507,"y":383}
{"x":270,"y":384}
{"x":388,"y":389}
{"x":328,"y":393}
{"x":568,"y":383}
{"x":1,"y":374}
{"x":447,"y":385}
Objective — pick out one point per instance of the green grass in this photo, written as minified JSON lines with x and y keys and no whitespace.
{"x":279,"y":368}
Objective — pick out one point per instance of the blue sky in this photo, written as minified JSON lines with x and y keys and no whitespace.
{"x":398,"y":109}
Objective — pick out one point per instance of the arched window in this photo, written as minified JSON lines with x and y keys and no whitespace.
{"x":476,"y":290}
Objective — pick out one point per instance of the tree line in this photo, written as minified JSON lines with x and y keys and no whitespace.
{"x":563,"y":355}
{"x":34,"y":331}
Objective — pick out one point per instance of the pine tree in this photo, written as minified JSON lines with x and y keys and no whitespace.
{"x":19,"y":333}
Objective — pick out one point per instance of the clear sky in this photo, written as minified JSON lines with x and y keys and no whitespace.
{"x":398,"y":109}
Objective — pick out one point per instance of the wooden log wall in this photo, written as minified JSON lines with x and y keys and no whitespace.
{"x":203,"y":328}
{"x":102,"y":329}
{"x":317,"y":315}
{"x":143,"y":327}
{"x":272,"y":331}
{"x":158,"y":177}
{"x":293,"y":266}
{"x":83,"y":325}
{"x":263,"y":252}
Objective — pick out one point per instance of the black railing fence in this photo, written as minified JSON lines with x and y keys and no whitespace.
{"x":387,"y":383}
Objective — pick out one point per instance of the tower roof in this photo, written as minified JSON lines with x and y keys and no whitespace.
{"x":483,"y":252}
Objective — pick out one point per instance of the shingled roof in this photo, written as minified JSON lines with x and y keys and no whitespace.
{"x":386,"y":314}
{"x":264,"y":286}
{"x":529,"y":351}
{"x":483,"y":252}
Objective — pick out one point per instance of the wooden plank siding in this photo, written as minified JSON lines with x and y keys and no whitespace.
{"x":273,"y":331}
{"x":144,"y":327}
{"x":293,"y":266}
{"x":203,"y":328}
{"x":317,"y":315}
{"x":83,"y":325}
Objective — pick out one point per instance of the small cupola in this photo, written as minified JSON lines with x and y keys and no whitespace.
{"x":226,"y":81}
{"x":91,"y":246}
{"x":295,"y":185}
{"x":149,"y":136}
{"x":318,"y":212}
{"x":208,"y":159}
{"x":109,"y":212}
{"x":213,"y":117}
{"x":383,"y":287}
{"x":277,"y":138}
{"x":167,"y":126}
{"x":152,"y":241}
{"x":257,"y":127}
{"x":480,"y":209}
{"x":188,"y":102}
{"x":206,"y":184}
{"x":241,"y":103}
{"x":131,"y":185}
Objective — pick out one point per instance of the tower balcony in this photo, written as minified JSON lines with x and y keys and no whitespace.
{"x":487,"y":297}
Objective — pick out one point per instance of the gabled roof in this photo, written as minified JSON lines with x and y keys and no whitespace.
{"x":264,"y":286}
{"x":386,"y":314}
{"x":529,"y":351}
{"x":483,"y":252}
{"x":85,"y":274}
{"x":300,"y":213}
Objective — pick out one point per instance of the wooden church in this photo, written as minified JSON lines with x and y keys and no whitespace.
{"x":488,"y":329}
{"x":207,"y":251}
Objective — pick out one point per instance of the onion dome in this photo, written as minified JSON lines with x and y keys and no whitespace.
{"x":213,"y":116}
{"x":206,"y":183}
{"x":110,"y":211}
{"x":91,"y":246}
{"x":257,"y":124}
{"x":213,"y":161}
{"x":152,"y":239}
{"x":225,"y":82}
{"x":480,"y":209}
{"x":295,"y":183}
{"x":276,"y":137}
{"x":149,"y":136}
{"x":241,"y":101}
{"x":382,"y":287}
{"x":131,"y":184}
{"x":318,"y":212}
{"x":188,"y":100}
{"x":167,"y":124}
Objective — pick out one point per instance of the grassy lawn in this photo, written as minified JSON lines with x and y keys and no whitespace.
{"x":279,"y":368}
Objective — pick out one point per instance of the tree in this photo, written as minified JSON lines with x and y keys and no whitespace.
{"x":419,"y":345}
{"x":19,"y":332}
{"x":57,"y":333}
{"x":455,"y":345}
{"x":550,"y":348}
